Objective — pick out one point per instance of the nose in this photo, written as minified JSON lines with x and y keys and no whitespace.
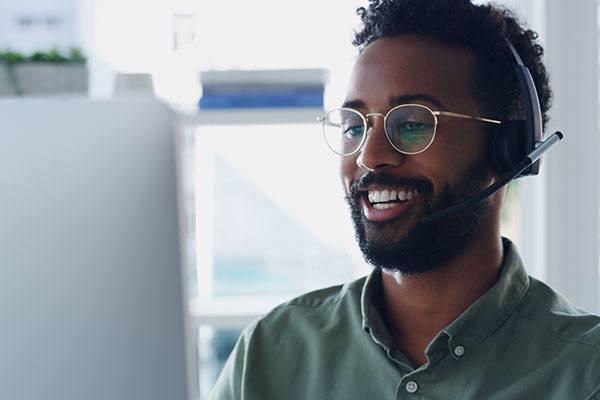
{"x":377,"y":152}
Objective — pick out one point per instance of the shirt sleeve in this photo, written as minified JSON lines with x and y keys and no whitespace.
{"x":231,"y":381}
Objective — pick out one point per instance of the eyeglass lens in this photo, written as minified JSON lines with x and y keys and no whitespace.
{"x":410,"y":129}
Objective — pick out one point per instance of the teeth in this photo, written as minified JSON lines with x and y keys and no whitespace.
{"x":384,"y":206}
{"x":374,"y":196}
{"x":387,"y":195}
{"x":371,"y":197}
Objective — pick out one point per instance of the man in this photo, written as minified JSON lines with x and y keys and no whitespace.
{"x":448,"y":311}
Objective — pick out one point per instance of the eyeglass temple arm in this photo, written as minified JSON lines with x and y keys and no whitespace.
{"x":444,"y":113}
{"x":464,"y":116}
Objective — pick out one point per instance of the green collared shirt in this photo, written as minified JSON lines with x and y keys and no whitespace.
{"x":520,"y":340}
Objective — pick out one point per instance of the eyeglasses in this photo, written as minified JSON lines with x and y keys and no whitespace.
{"x":410,"y":128}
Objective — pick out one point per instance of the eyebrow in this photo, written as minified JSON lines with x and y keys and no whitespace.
{"x":397,"y":100}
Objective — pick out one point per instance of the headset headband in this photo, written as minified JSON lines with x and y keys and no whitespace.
{"x":533,"y":112}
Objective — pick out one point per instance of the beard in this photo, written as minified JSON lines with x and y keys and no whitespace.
{"x":426,"y":246}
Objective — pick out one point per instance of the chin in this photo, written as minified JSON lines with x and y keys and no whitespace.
{"x":414,"y":247}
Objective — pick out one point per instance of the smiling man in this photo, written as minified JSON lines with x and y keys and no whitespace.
{"x":448,"y":311}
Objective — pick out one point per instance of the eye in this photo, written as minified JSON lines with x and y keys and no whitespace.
{"x":414,"y":127}
{"x":353,"y":131}
{"x":412,"y":136}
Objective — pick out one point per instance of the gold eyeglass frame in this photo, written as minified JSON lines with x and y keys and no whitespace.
{"x":366,"y":124}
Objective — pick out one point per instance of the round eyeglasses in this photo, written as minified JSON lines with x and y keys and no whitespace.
{"x":410,"y":128}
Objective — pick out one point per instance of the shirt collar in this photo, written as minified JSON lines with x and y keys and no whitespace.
{"x":476,"y":323}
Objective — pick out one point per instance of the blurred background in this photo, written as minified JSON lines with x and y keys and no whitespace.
{"x":135,"y":120}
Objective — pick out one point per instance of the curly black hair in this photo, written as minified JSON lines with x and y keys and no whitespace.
{"x":481,"y":28}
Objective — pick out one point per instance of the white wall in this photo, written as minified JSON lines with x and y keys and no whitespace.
{"x":572,"y":176}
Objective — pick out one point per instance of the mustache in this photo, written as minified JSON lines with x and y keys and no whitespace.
{"x":423,"y":185}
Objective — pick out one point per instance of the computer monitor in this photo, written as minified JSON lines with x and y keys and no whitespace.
{"x":91,"y":302}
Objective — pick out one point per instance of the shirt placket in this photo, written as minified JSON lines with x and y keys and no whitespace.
{"x":412,"y":385}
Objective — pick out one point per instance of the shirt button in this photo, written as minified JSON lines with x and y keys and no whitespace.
{"x":459,"y":351}
{"x":411,"y":387}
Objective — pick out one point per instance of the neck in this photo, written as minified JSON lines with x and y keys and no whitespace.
{"x":429,"y":302}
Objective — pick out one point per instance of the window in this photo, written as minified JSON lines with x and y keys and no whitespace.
{"x":261,"y":192}
{"x":267,"y":189}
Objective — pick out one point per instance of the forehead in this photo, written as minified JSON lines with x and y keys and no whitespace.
{"x":408,"y":65}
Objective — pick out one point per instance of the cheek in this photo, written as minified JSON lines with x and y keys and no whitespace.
{"x":348,"y":170}
{"x":456,"y":151}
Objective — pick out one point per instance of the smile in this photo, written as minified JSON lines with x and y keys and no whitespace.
{"x":385,"y":199}
{"x":389,"y":203}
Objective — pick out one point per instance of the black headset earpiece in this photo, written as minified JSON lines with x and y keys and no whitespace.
{"x":508,"y":145}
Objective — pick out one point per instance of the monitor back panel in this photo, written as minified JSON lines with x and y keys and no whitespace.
{"x":90,"y":283}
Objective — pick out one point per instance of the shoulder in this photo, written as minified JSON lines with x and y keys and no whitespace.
{"x":335,"y":304}
{"x":564,"y":335}
{"x":550,"y":344}
{"x":309,"y":322}
{"x":312,"y":327}
{"x":327,"y":296}
{"x":556,"y":316}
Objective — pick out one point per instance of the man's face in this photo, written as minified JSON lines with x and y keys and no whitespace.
{"x":413,"y":69}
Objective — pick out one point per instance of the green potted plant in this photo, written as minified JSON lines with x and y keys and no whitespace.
{"x":8,"y":60}
{"x":43,"y":73}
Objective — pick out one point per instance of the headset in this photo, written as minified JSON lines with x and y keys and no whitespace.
{"x":516,"y":146}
